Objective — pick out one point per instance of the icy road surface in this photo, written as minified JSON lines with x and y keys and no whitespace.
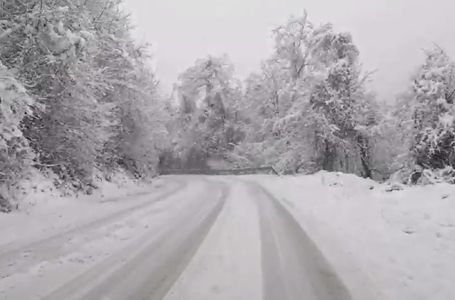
{"x":196,"y":238}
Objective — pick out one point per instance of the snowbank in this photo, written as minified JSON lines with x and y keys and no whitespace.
{"x":44,"y":211}
{"x":386,"y":245}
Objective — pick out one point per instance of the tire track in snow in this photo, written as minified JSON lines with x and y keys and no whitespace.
{"x":16,"y":258}
{"x":293,"y":267}
{"x":227,"y":265}
{"x":148,"y":269}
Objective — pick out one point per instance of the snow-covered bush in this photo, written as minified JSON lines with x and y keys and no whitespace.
{"x":15,"y":153}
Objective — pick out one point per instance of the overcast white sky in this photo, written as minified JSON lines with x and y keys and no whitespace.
{"x":390,"y":33}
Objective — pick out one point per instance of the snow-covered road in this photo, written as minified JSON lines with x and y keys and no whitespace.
{"x":198,"y":238}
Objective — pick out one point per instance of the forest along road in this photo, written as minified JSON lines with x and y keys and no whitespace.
{"x":209,"y":238}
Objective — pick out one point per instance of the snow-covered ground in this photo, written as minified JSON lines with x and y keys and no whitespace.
{"x":45,"y":211}
{"x":228,"y":237}
{"x":116,"y":250}
{"x":401,"y":244}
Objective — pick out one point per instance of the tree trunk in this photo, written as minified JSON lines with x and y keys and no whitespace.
{"x":364,"y":156}
{"x":328,"y":161}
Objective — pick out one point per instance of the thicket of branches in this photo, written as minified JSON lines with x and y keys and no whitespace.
{"x":309,"y":109}
{"x":76,"y":97}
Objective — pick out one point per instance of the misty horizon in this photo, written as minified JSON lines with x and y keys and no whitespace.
{"x":390,"y":35}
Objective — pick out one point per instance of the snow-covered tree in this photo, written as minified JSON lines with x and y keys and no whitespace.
{"x":50,"y":45}
{"x":97,"y":105}
{"x":209,"y":119}
{"x":434,"y":93}
{"x":310,"y":102}
{"x":15,"y":153}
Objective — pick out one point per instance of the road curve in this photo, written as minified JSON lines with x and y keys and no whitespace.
{"x":208,"y":238}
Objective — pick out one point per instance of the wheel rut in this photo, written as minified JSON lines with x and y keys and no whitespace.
{"x":293,"y":266}
{"x":148,"y":268}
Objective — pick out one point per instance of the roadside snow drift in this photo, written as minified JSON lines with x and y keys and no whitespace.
{"x":385,"y":245}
